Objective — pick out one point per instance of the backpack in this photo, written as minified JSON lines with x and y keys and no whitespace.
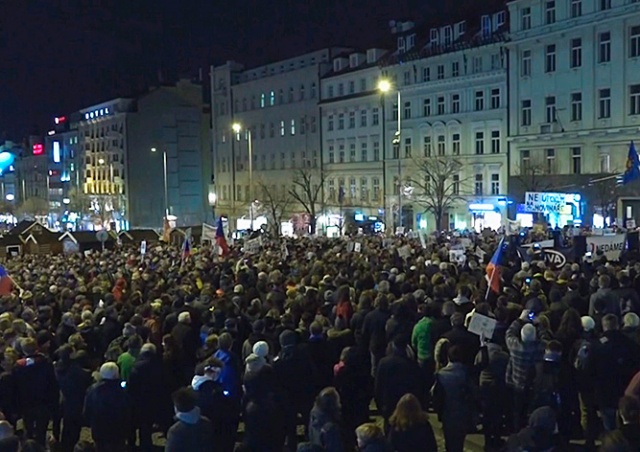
{"x":580,"y":361}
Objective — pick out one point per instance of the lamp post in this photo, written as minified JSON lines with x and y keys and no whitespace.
{"x":166,"y":189}
{"x":237,"y":127}
{"x":384,"y":86}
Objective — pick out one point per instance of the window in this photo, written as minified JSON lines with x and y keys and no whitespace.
{"x":455,"y":69}
{"x":550,"y":58}
{"x":634,"y":41}
{"x":375,"y":116}
{"x":495,"y":98}
{"x":394,"y":112}
{"x":477,"y":64}
{"x":363,"y":151}
{"x":479,"y":100}
{"x":363,"y":189}
{"x":604,"y":47}
{"x":455,"y":143}
{"x":576,"y":106}
{"x":440,"y":105}
{"x":313,"y":90}
{"x":550,"y":155}
{"x":495,"y":184}
{"x":426,"y":146}
{"x":576,"y":160}
{"x":407,"y":78}
{"x":495,"y":142}
{"x":363,"y":84}
{"x":330,"y":123}
{"x":634,"y":100}
{"x":262,"y":100}
{"x":456,"y":184}
{"x":604,"y":103}
{"x":301,"y":92}
{"x":303,"y":125}
{"x":341,"y":153}
{"x":525,"y":18}
{"x":282,"y":128}
{"x":440,"y":71}
{"x":426,"y":74}
{"x":525,"y":160}
{"x":550,"y":12}
{"x":525,"y":112}
{"x":605,"y":4}
{"x":340,"y":121}
{"x":407,"y":148}
{"x":293,"y":127}
{"x":576,"y":53}
{"x":352,"y":119}
{"x":426,"y":107}
{"x":605,"y":166}
{"x":332,"y":156}
{"x":525,"y":66}
{"x":455,"y":103}
{"x":340,"y":89}
{"x":352,"y":152}
{"x":550,"y":108}
{"x":272,"y":98}
{"x":376,"y":151}
{"x":576,"y":8}
{"x":441,"y":145}
{"x":341,"y":192}
{"x":396,"y":149}
{"x":478,"y":189}
{"x":407,"y":110}
{"x":332,"y":189}
{"x":281,"y":96}
{"x":496,"y":61}
{"x":479,"y":143}
{"x":239,"y":192}
{"x":330,"y":91}
{"x":352,"y":87}
{"x":363,"y":118}
{"x":376,"y":188}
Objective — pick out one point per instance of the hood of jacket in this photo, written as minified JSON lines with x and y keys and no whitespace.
{"x":199,"y":380}
{"x":190,"y":417}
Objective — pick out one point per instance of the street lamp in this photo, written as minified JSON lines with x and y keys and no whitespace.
{"x":166,"y":189}
{"x":237,"y":127}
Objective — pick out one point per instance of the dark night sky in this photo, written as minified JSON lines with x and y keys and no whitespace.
{"x":57,"y":56}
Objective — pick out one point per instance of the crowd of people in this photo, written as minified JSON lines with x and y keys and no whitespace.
{"x":297,"y":347}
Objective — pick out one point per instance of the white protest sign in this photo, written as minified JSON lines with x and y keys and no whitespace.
{"x":611,"y":246}
{"x":357,"y":247}
{"x":465,"y":242}
{"x":143,"y":247}
{"x":404,"y":252}
{"x":482,"y":325}
{"x":457,"y":257}
{"x":253,"y":246}
{"x":631,"y":223}
{"x":543,"y":202}
{"x":350,"y":247}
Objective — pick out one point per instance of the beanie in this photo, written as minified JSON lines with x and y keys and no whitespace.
{"x":287,"y":338}
{"x":528,"y":333}
{"x":261,"y":349}
{"x":588,"y":324}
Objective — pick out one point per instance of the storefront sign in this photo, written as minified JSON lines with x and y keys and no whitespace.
{"x":611,"y":246}
{"x":542,"y":202}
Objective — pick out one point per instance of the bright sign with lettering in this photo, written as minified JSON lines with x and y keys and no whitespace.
{"x":544,"y":202}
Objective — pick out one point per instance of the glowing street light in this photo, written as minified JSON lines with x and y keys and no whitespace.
{"x":101,"y":161}
{"x":384,"y":86}
{"x":237,"y":127}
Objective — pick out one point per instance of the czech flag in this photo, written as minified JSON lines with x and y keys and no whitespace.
{"x":186,"y":248}
{"x":6,"y":283}
{"x":221,"y":241}
{"x":494,"y":268}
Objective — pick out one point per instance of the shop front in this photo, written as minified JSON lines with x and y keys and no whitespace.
{"x":487,"y":213}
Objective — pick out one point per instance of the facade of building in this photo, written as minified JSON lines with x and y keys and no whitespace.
{"x":574,"y":78}
{"x":277,"y":106}
{"x":148,"y":157}
{"x":453,"y":107}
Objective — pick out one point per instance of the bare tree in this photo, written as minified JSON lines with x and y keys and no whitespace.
{"x":276,"y":206}
{"x":534,"y":178}
{"x":605,"y":194}
{"x":33,"y":207}
{"x":307,"y":190}
{"x":439,"y":189}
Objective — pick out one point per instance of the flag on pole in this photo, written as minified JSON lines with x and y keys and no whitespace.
{"x":166,"y":231}
{"x":6,"y":282}
{"x":221,"y":241}
{"x":494,"y":268}
{"x":186,"y":248}
{"x":632,"y":172}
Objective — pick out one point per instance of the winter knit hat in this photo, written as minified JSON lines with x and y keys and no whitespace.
{"x":588,"y":324}
{"x":128,"y":330}
{"x":261,"y":349}
{"x":528,"y":333}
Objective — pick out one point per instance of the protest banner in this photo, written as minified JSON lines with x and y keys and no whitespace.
{"x":611,"y":246}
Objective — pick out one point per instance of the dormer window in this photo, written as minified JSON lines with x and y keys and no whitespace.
{"x":411,"y":41}
{"x":486,"y":26}
{"x":448,"y":35}
{"x":401,"y":44}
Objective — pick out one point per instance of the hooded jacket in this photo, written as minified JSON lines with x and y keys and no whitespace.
{"x":191,"y":432}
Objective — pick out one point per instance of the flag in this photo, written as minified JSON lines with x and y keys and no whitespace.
{"x":220,"y":239}
{"x":208,"y":232}
{"x":166,"y":231}
{"x":186,"y":248}
{"x":494,"y":268}
{"x":6,"y":283}
{"x":633,"y":166}
{"x":341,"y":194}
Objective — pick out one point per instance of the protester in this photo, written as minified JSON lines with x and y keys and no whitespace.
{"x":191,"y":431}
{"x":410,"y":428}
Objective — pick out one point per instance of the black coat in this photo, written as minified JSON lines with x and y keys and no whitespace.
{"x":35,"y":383}
{"x":292,"y":367}
{"x":145,"y":387}
{"x":196,"y":437}
{"x":469,"y":342}
{"x":321,"y":354}
{"x":374,"y":331}
{"x":418,"y":437}
{"x":612,"y":362}
{"x":396,"y":376}
{"x":74,"y":382}
{"x":188,"y":340}
{"x":108,"y":411}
